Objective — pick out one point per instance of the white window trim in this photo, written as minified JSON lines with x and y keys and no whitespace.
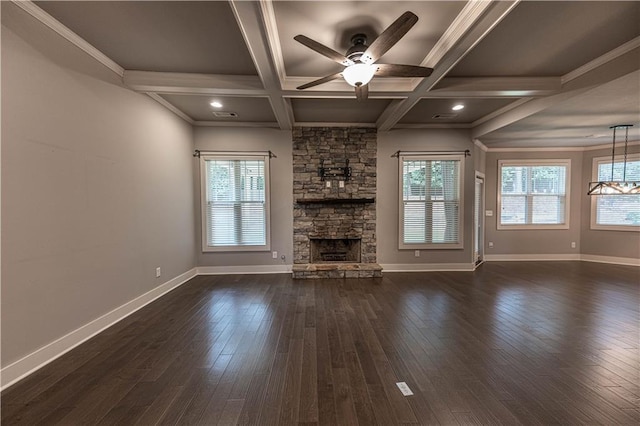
{"x":203,"y":197}
{"x":431,"y":246}
{"x":540,"y":162}
{"x":594,"y":178}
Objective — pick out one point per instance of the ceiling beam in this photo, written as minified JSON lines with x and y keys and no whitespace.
{"x":590,"y":77}
{"x":323,"y":94}
{"x":193,"y":84}
{"x":378,"y":84}
{"x":492,"y":87}
{"x":475,"y":21}
{"x":254,"y":31}
{"x":259,"y":124}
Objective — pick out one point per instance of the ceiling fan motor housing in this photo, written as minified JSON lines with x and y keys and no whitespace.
{"x":359,"y":42}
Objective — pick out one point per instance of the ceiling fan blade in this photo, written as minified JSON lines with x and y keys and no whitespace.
{"x":320,"y":81}
{"x":394,"y":70}
{"x":389,"y":37}
{"x":323,"y":50}
{"x":362,"y":92}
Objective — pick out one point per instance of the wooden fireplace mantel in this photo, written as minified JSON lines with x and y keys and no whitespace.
{"x":335,"y":200}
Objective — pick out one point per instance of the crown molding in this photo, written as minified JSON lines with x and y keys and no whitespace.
{"x":156,"y":97}
{"x":558,"y":148}
{"x":69,"y":35}
{"x":480,"y":145}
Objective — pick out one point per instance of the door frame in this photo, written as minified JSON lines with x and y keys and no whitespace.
{"x":477,"y":258}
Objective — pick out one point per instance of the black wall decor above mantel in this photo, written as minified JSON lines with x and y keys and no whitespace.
{"x":334,"y":172}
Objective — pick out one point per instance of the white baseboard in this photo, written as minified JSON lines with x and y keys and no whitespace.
{"x":251,"y":269}
{"x":23,"y":367}
{"x":559,"y":257}
{"x":530,"y":257}
{"x":426,"y":267}
{"x":631,"y":261}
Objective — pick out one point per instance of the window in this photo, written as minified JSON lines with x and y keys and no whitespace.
{"x":534,"y":194}
{"x":431,"y":202}
{"x":235,"y":202}
{"x":616,"y":212}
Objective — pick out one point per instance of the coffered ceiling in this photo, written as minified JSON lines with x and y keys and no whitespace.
{"x":531,"y":74}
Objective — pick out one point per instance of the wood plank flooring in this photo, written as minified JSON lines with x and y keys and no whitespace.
{"x":511,"y":343}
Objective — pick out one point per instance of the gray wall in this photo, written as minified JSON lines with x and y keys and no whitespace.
{"x":625,"y":244}
{"x":97,"y":192}
{"x":601,"y":242}
{"x":544,"y":241}
{"x":387,"y":197}
{"x":246,"y":139}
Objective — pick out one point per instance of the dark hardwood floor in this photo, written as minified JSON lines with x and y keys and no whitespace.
{"x":512,"y":343}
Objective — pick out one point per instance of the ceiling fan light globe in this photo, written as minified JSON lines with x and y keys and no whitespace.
{"x":359,"y":74}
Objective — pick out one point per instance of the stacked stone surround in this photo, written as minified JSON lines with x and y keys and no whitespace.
{"x":334,"y":145}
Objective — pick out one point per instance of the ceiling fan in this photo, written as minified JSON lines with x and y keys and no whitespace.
{"x":359,"y":61}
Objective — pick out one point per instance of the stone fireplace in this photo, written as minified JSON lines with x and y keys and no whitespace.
{"x":334,"y":189}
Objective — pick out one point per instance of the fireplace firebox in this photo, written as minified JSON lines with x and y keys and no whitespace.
{"x":325,"y":250}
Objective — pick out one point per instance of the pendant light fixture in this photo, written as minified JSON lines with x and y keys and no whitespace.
{"x":616,"y":187}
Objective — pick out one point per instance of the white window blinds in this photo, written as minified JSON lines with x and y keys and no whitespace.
{"x":533,"y":193}
{"x":235,"y":202}
{"x":617,"y":210}
{"x":430,"y":207}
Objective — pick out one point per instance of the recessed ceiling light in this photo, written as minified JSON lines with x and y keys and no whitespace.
{"x":457,"y":107}
{"x":216,"y":104}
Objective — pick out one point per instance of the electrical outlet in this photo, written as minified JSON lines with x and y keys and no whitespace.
{"x":274,"y":255}
{"x":328,"y":184}
{"x":158,"y":272}
{"x":416,"y":253}
{"x":341,"y":184}
{"x":573,"y":244}
{"x":490,"y":244}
